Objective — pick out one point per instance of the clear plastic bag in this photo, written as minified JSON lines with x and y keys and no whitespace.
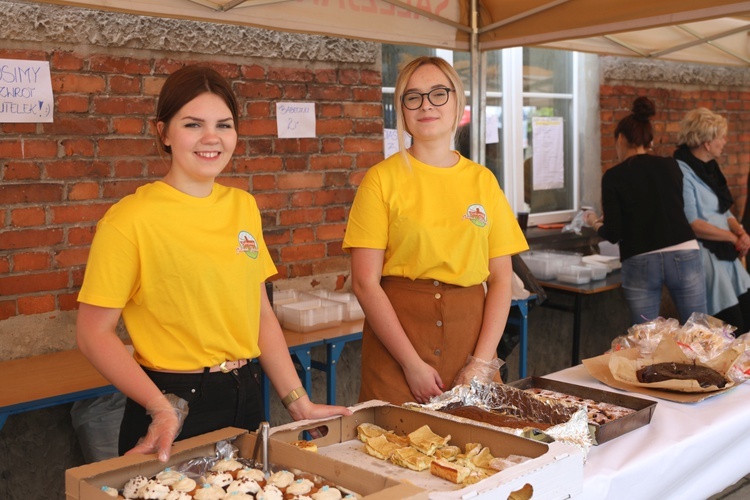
{"x":576,"y":224}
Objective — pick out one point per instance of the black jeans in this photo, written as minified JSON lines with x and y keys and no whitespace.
{"x":215,"y":400}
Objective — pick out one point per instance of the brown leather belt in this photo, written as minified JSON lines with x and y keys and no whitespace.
{"x":225,"y":367}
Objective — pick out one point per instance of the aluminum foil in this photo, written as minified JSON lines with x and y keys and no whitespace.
{"x":568,"y":422}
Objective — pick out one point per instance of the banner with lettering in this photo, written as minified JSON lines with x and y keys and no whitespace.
{"x":25,"y":92}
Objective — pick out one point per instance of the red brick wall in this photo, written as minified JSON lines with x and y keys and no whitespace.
{"x":671,"y":106}
{"x":57,"y":179}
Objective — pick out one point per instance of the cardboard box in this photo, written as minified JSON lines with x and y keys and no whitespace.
{"x":85,"y":482}
{"x":555,"y":471}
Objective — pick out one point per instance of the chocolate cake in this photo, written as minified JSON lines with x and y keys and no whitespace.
{"x":659,"y":372}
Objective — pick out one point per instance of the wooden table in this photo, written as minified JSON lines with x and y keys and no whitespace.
{"x":48,"y":380}
{"x":611,"y":282}
{"x":66,"y":376}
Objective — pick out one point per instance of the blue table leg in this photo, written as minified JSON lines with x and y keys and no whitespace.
{"x":265,"y":390}
{"x":304,"y":359}
{"x":522,"y":321}
{"x":334,"y":348}
{"x":523,"y":346}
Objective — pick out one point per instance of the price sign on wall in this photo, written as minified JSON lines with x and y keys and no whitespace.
{"x":295,"y":119}
{"x":25,"y":92}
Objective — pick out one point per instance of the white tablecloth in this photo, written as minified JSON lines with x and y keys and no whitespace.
{"x":688,"y":451}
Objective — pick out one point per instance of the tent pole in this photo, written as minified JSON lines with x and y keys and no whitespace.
{"x":476,"y":108}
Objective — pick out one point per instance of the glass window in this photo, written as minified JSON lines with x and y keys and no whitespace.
{"x":548,"y":71}
{"x":547,"y":92}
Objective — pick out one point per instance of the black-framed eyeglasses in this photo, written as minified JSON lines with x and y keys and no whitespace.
{"x":437,"y":97}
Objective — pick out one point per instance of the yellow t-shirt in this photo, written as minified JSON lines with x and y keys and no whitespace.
{"x":433,"y":223}
{"x":185,"y":271}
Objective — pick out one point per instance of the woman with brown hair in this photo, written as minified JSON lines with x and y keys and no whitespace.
{"x":183,"y":261}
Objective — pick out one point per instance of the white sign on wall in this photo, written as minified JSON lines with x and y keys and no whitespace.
{"x":549,"y":168}
{"x":295,"y":119}
{"x":25,"y":92}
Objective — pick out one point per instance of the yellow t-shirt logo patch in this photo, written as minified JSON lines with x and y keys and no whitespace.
{"x":248,"y":245}
{"x":477,"y":215}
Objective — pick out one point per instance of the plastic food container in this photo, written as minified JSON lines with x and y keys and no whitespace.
{"x":545,"y":265}
{"x":286,"y":297}
{"x":577,"y":275}
{"x":352,"y":309}
{"x":310,"y":315}
{"x":598,"y":271}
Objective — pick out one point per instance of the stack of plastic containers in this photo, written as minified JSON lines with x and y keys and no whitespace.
{"x":546,"y":265}
{"x":310,"y":311}
{"x":352,"y":309}
{"x":568,"y":267}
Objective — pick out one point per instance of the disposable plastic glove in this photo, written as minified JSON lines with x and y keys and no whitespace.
{"x":484,"y":371}
{"x":167,"y":416}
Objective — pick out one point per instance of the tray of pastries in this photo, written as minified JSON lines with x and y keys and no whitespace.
{"x":610,"y":414}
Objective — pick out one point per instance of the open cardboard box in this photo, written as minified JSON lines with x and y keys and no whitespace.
{"x":85,"y":482}
{"x":555,"y":471}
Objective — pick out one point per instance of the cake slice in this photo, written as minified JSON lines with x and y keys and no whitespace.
{"x":454,"y":473}
{"x":411,"y":459}
{"x":426,"y":441}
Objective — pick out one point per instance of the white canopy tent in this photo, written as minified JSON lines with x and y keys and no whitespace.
{"x":709,"y":31}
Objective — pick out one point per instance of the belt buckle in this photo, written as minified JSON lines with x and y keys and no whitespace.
{"x":223,"y":367}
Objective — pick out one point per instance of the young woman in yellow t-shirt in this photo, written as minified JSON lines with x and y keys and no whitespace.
{"x":428,"y":230}
{"x":183,"y":261}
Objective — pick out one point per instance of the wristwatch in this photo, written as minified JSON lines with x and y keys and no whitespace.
{"x":293,"y":396}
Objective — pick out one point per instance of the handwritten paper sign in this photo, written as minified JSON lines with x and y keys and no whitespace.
{"x":390,"y":141}
{"x":549,"y":172}
{"x":492,"y":130}
{"x":25,"y":92}
{"x":295,"y":119}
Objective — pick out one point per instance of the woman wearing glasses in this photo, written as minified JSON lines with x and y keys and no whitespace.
{"x":427,"y":230}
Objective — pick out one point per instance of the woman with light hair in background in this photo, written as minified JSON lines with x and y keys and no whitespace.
{"x":427,"y":229}
{"x":723,"y":240}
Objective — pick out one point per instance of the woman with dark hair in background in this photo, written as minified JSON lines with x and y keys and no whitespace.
{"x":643,"y":213}
{"x":723,"y":240}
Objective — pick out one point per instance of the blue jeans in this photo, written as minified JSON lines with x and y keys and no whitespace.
{"x":643,"y":277}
